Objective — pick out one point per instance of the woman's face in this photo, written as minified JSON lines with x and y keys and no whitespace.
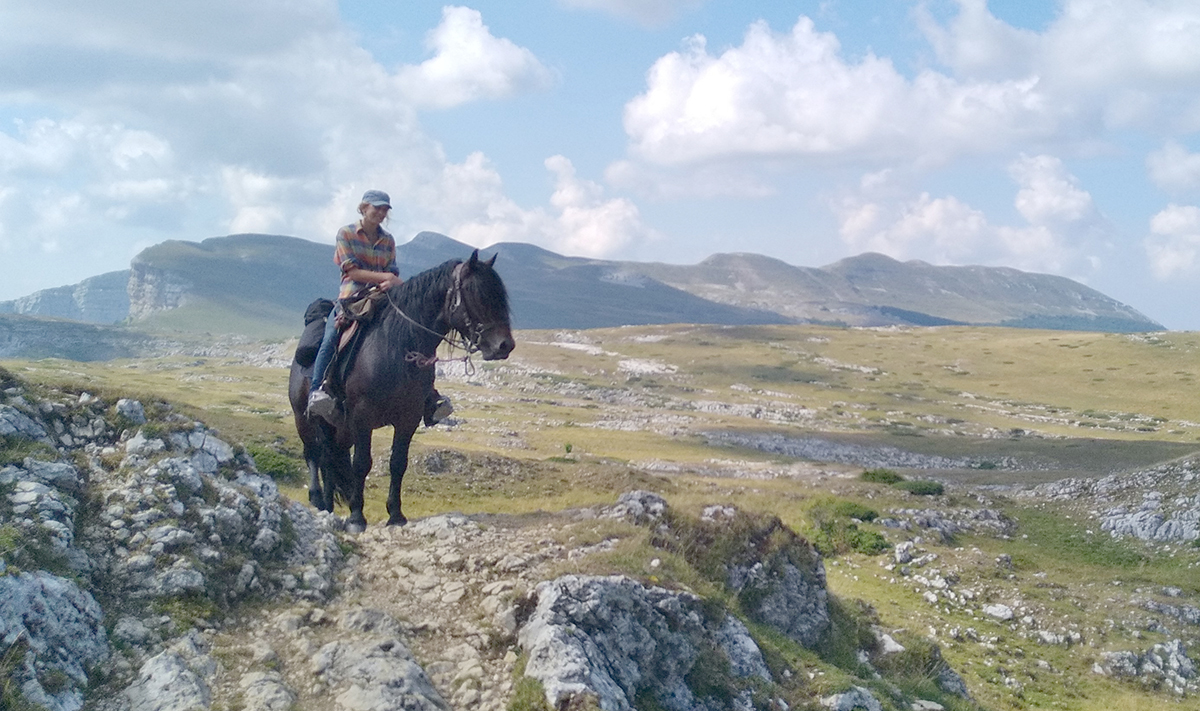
{"x":375,"y":214}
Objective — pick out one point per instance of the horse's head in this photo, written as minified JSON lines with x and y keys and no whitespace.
{"x":478,"y":308}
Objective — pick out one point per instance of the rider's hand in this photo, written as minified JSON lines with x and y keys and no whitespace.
{"x":390,"y":281}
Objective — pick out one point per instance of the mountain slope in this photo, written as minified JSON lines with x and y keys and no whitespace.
{"x":873,"y":290}
{"x":259,"y":284}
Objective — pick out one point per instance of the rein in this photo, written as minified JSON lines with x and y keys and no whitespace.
{"x":469,"y":345}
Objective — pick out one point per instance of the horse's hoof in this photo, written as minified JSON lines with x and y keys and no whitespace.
{"x":355,"y":528}
{"x":317,"y":501}
{"x":397,"y":520}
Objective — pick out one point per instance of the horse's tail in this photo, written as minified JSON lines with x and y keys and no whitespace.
{"x":334,"y":470}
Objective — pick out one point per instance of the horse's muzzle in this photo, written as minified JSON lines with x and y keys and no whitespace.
{"x":496,"y":344}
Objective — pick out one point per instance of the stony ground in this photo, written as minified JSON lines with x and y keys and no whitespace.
{"x":443,"y":586}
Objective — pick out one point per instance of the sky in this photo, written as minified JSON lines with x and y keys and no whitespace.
{"x":1056,"y":137}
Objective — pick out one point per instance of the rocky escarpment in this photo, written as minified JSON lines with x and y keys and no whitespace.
{"x":149,"y":567}
{"x":152,"y":289}
{"x":122,"y":541}
{"x":99,"y":299}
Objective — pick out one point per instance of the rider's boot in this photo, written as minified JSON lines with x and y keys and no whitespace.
{"x":321,"y":404}
{"x":437,"y":408}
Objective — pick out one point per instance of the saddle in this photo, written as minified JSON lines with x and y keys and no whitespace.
{"x":358,"y":311}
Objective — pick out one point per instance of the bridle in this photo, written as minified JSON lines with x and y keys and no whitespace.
{"x":468,"y":336}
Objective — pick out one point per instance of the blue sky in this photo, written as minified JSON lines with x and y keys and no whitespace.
{"x":1057,"y":137}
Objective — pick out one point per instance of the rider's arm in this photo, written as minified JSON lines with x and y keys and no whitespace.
{"x":385,"y":280}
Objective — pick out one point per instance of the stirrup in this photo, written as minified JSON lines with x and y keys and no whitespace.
{"x":321,"y":404}
{"x":440,"y":413}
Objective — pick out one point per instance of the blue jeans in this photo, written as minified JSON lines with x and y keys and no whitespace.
{"x":325,"y":352}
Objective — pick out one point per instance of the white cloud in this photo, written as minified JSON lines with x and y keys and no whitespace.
{"x":470,"y":64}
{"x":1107,"y":64}
{"x":793,"y":95}
{"x":645,"y":12}
{"x":1049,"y":194}
{"x":1175,"y":241}
{"x":582,"y":221}
{"x":1059,"y":236}
{"x":978,"y":45}
{"x":1174,"y":168}
{"x":230,"y":115}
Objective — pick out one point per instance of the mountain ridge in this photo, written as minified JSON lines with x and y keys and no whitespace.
{"x":262,"y":283}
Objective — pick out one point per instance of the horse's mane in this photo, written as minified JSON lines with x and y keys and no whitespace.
{"x":418,"y":289}
{"x":422,"y":297}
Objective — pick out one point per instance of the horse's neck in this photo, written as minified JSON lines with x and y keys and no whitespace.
{"x":427,"y":327}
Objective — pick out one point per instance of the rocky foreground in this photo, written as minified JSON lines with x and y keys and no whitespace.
{"x":148,"y":566}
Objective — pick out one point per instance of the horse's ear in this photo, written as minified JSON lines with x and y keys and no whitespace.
{"x":492,"y":261}
{"x":474,"y":260}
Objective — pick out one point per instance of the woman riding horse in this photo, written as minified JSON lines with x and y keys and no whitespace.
{"x":392,"y":374}
{"x":366,"y":254}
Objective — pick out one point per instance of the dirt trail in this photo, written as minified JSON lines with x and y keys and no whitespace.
{"x":448,"y":583}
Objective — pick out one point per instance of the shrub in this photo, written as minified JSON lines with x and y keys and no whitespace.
{"x":835,"y":532}
{"x":922,"y":487}
{"x":275,"y":464}
{"x":881,"y":476}
{"x":853,"y":509}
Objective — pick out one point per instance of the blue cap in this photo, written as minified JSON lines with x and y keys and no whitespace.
{"x":378,"y":198}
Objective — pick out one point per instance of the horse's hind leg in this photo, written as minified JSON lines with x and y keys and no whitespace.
{"x":397,"y":465}
{"x":315,"y":496}
{"x":357,"y":522}
{"x":319,"y":501}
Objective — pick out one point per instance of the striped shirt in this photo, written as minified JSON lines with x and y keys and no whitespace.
{"x":355,"y":250}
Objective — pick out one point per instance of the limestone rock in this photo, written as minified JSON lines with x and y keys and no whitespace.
{"x":380,"y":675}
{"x":63,"y":628}
{"x":165,"y":683}
{"x":612,"y":637}
{"x":857,"y":698}
{"x":131,"y":410}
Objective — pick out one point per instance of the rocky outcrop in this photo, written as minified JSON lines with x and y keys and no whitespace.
{"x":152,"y":289}
{"x":778,"y":576}
{"x":614,"y":639}
{"x":1163,"y":665}
{"x":99,"y":299}
{"x":1160,"y":504}
{"x":179,"y":526}
{"x":60,"y":628}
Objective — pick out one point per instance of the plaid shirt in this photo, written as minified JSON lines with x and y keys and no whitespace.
{"x":354,"y":250}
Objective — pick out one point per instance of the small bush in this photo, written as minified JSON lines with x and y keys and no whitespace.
{"x":839,"y":536}
{"x":881,"y":476}
{"x":922,"y":487}
{"x":528,"y":695}
{"x":853,"y":509}
{"x":276,"y":465}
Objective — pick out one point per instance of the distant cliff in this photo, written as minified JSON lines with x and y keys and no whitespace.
{"x":100,"y":299}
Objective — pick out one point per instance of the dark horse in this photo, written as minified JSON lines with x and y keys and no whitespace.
{"x":392,"y":374}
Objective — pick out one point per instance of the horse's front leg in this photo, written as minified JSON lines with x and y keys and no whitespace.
{"x":397,"y":465}
{"x":361,"y":467}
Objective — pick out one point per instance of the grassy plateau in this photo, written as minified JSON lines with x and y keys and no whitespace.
{"x":784,"y":420}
